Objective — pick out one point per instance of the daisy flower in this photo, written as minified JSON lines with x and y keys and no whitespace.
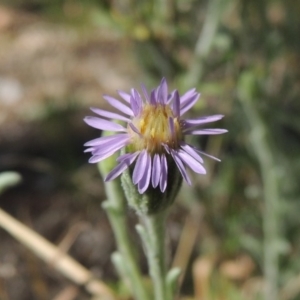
{"x":153,"y":134}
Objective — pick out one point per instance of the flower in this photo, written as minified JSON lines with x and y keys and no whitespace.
{"x":154,"y":134}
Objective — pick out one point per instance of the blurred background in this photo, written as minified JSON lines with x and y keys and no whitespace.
{"x":236,"y":232}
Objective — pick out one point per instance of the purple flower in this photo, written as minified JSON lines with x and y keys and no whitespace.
{"x":154,"y":134}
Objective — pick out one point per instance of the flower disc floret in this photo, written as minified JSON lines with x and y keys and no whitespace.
{"x":157,"y":126}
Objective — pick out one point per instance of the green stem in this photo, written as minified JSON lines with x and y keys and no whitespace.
{"x":115,"y":207}
{"x":261,"y":144}
{"x":155,"y":248}
{"x":205,"y":41}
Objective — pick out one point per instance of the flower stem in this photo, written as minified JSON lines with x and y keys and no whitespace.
{"x":115,"y":207}
{"x":154,"y":240}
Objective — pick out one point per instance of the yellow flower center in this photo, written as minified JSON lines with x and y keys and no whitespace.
{"x":153,"y":124}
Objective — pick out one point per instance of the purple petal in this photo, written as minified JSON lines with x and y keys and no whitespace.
{"x":124,"y":96}
{"x":118,"y":105}
{"x":189,"y":103}
{"x":153,"y":99}
{"x":136,"y":102}
{"x":105,"y":139}
{"x":163,"y":91}
{"x":171,"y":96}
{"x":131,"y":125}
{"x":176,"y":105}
{"x":210,"y":156}
{"x":105,"y":154}
{"x":108,"y":114}
{"x":203,"y":120}
{"x":134,"y":106}
{"x":167,"y":148}
{"x":124,"y":157}
{"x":120,"y":168}
{"x":156,"y":93}
{"x":207,"y":131}
{"x":145,"y":92}
{"x":164,"y":173}
{"x":180,"y":166}
{"x":89,"y":150}
{"x":145,"y":180}
{"x":191,"y":162}
{"x":188,"y":149}
{"x":111,"y":144}
{"x":187,"y":95}
{"x":156,"y":170}
{"x":103,"y":124}
{"x":140,"y":166}
{"x":138,"y":98}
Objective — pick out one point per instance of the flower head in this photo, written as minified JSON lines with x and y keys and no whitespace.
{"x":153,"y":135}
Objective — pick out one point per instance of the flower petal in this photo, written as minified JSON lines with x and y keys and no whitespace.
{"x":153,"y":99}
{"x":145,"y":92}
{"x":167,"y":148}
{"x":118,"y":105}
{"x":180,"y":166}
{"x":106,"y":139}
{"x":134,"y":106}
{"x":138,"y":99}
{"x":108,"y":114}
{"x":208,"y":155}
{"x":145,"y":180}
{"x":156,"y":170}
{"x":164,"y":174}
{"x":131,"y":125}
{"x":111,"y":144}
{"x":188,"y":149}
{"x":105,"y":154}
{"x":191,"y":162}
{"x":124,"y":95}
{"x":208,"y":131}
{"x":171,"y":96}
{"x":201,"y":120}
{"x":103,"y":124}
{"x":189,"y":103}
{"x":188,"y":94}
{"x":89,"y":150}
{"x":121,"y":167}
{"x":176,"y":104}
{"x":140,"y":166}
{"x":136,"y":102}
{"x":124,"y":157}
{"x":163,"y":91}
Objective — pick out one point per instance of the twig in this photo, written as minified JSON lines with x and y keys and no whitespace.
{"x":68,"y":293}
{"x":47,"y":251}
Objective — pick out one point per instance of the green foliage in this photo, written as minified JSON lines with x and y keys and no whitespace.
{"x":253,"y":52}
